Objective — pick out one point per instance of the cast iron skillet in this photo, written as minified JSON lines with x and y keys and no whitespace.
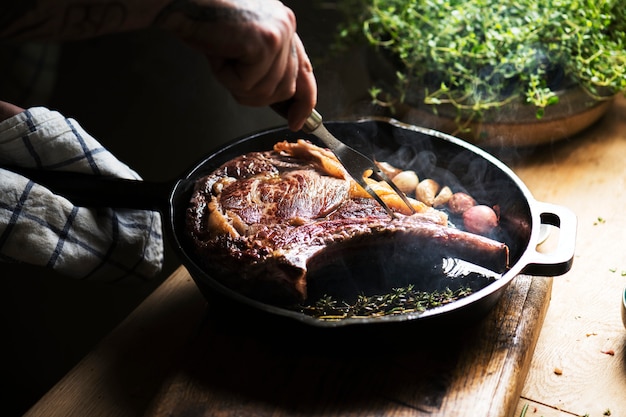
{"x":431,"y":153}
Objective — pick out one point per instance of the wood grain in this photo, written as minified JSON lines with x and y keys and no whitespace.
{"x":235,"y":370}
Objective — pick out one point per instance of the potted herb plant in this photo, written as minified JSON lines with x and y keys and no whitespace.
{"x":495,"y":72}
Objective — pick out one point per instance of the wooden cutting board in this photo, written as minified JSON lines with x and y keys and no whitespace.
{"x":237,"y":368}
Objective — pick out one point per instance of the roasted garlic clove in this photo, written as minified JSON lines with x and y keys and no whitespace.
{"x":443,"y":197}
{"x":426,"y":191}
{"x":388,"y":169}
{"x":406,"y":181}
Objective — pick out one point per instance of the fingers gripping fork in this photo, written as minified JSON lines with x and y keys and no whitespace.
{"x":354,"y":162}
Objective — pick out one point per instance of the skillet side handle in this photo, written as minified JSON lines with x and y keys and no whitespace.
{"x":559,"y":261}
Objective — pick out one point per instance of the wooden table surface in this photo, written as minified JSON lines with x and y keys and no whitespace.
{"x":572,"y":362}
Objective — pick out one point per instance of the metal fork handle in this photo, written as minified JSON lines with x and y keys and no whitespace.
{"x":312,"y":122}
{"x":314,"y":125}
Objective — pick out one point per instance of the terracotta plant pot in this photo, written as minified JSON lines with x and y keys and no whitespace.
{"x":513,"y":125}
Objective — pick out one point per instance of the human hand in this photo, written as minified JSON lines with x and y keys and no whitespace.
{"x":8,"y":110}
{"x":252,"y":48}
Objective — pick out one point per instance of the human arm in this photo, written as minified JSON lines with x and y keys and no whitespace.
{"x":251,"y":45}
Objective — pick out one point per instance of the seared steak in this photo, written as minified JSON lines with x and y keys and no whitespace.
{"x":262,"y":221}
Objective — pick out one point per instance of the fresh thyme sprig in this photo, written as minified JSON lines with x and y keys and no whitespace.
{"x":398,"y":301}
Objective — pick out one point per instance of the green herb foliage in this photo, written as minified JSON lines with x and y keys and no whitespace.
{"x":399,"y":301}
{"x":481,"y":54}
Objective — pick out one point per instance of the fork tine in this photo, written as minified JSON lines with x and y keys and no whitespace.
{"x":376,"y":197}
{"x":357,"y":164}
{"x":395,"y":188}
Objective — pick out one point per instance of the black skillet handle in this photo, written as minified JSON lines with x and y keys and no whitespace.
{"x":101,"y":191}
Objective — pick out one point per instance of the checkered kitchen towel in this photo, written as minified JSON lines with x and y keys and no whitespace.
{"x":41,"y":228}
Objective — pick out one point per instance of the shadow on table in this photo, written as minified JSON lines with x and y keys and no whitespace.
{"x":297,"y":370}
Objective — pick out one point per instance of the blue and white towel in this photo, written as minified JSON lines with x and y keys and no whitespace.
{"x":41,"y":228}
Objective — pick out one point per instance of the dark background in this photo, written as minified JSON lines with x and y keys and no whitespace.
{"x":152,"y":102}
